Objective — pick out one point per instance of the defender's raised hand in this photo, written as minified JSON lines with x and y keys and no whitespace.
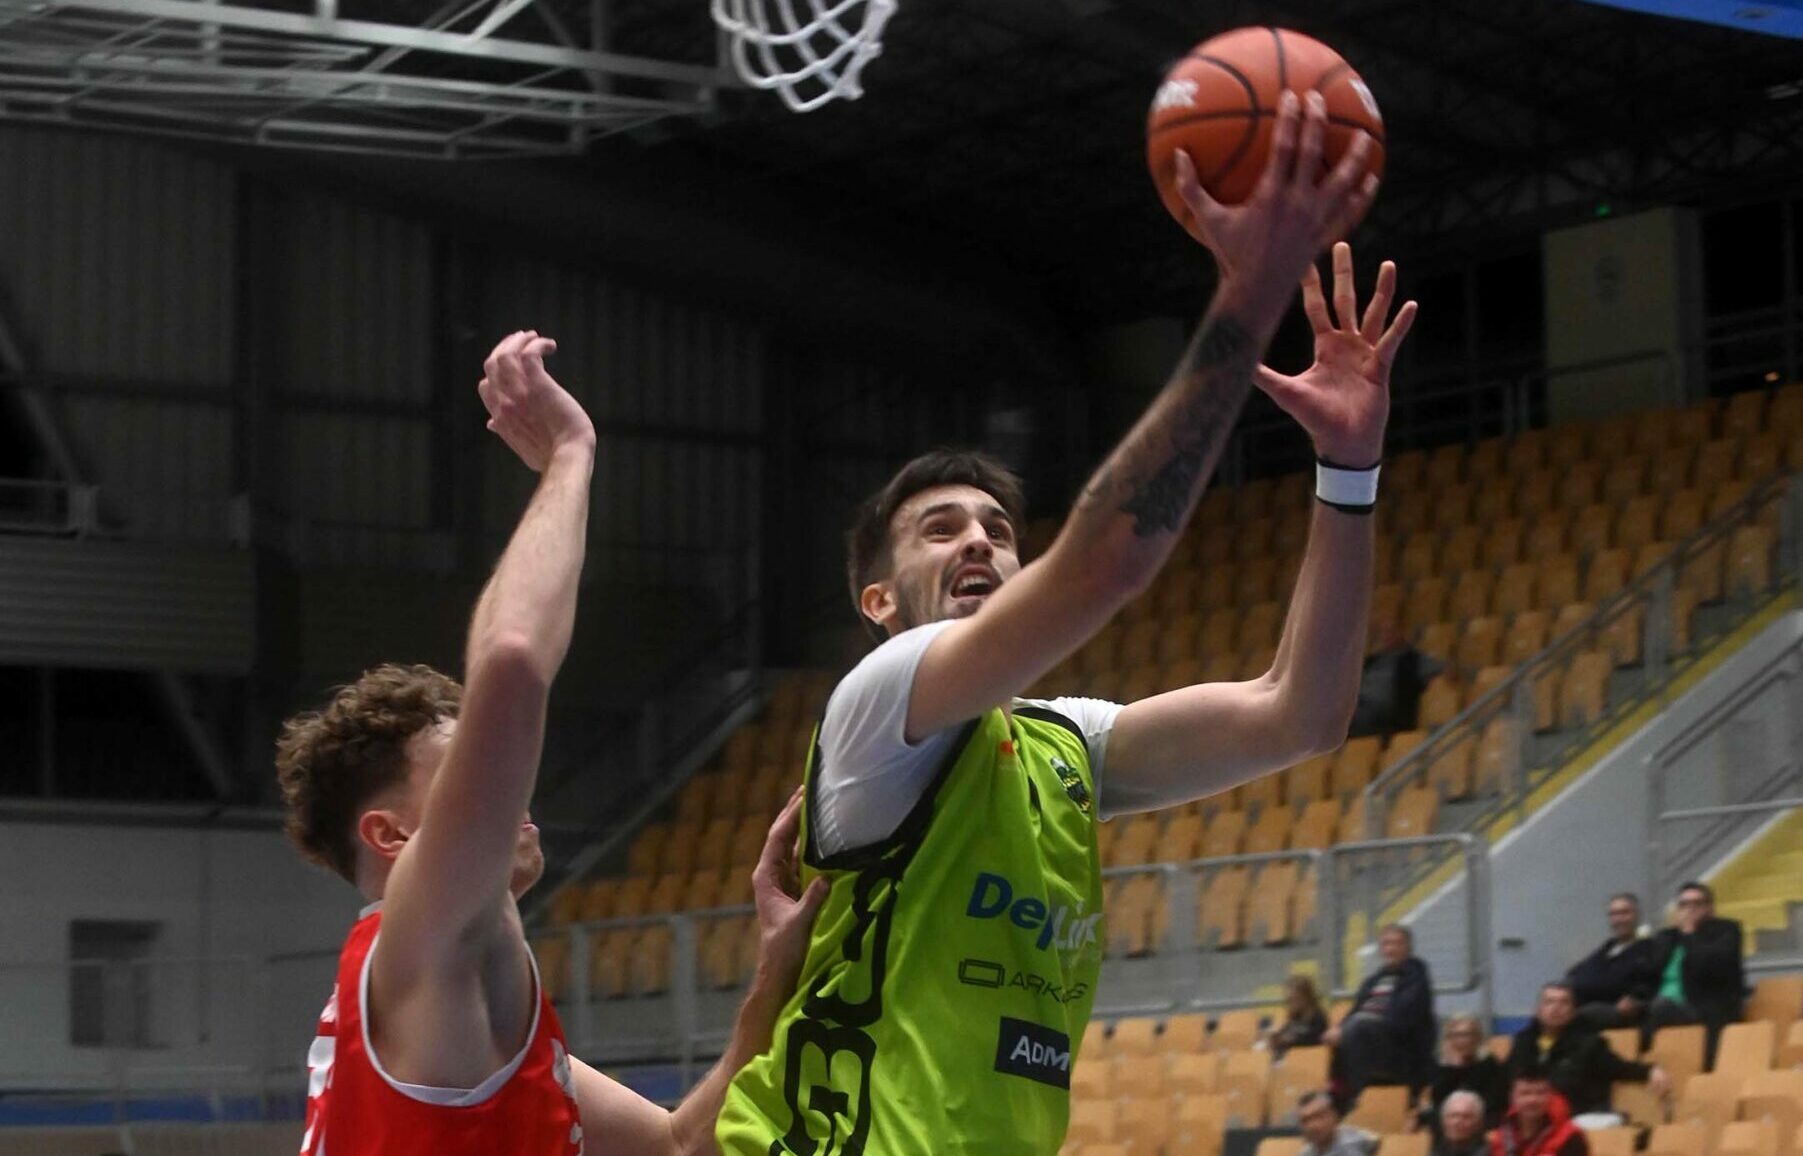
{"x":785,"y":911}
{"x":1343,"y":399}
{"x":528,"y":409}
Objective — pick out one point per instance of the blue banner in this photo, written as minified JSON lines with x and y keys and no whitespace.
{"x":1771,"y":17}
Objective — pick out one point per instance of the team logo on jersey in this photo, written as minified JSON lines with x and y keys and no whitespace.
{"x":1055,"y":926}
{"x":1178,"y":92}
{"x":1034,"y":1051}
{"x":1073,"y":784}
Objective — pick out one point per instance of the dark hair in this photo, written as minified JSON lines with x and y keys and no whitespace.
{"x":1306,"y":987}
{"x":1693,"y":885}
{"x":331,"y":762}
{"x":1533,"y":1073}
{"x":1629,"y":896}
{"x":1313,"y":1095}
{"x":868,"y":547}
{"x":1559,"y":985}
{"x":1399,"y":929}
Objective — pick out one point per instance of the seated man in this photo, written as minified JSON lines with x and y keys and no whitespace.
{"x":1388,"y":1036}
{"x":1578,"y":1061}
{"x":1539,"y":1122}
{"x":1322,"y":1132}
{"x":1614,"y":983}
{"x":1700,"y":975}
{"x":1462,"y":1126}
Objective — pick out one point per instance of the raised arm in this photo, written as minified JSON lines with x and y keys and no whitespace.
{"x":618,"y":1122}
{"x":449,"y":890}
{"x":1123,"y":525}
{"x":1200,"y":740}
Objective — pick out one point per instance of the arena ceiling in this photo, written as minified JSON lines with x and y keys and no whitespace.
{"x":1013,"y":128}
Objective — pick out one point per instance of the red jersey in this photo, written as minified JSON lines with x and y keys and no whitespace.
{"x":355,"y":1108}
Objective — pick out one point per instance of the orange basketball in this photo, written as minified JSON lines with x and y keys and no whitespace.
{"x":1220,"y":104}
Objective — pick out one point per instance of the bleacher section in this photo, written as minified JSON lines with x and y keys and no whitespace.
{"x":1486,"y":553}
{"x":1142,"y":1087}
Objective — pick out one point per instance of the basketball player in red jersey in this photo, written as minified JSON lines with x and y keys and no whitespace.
{"x":438,"y":1038}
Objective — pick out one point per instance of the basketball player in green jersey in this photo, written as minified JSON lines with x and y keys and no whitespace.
{"x":954,"y":962}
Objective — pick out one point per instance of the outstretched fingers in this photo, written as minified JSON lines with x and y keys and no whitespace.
{"x":1308,"y":150}
{"x":1314,"y":301}
{"x":1378,"y":309}
{"x":1345,"y":289}
{"x":1281,"y":164}
{"x":1391,"y":341}
{"x":1190,"y":190}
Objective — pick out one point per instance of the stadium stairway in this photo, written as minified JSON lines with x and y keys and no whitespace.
{"x":1762,"y":887}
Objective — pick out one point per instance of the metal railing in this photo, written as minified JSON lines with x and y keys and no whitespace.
{"x":240,"y":1026}
{"x":1511,"y":731}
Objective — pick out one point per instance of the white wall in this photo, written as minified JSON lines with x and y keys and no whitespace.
{"x":216,"y":893}
{"x":1551,"y":878}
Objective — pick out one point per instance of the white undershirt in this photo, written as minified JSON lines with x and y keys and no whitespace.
{"x":871,"y":777}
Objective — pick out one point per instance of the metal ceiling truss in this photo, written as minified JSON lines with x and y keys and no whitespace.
{"x":251,"y":71}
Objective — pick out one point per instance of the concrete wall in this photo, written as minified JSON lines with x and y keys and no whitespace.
{"x":216,"y":893}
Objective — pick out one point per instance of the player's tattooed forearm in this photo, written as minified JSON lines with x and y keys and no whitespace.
{"x":1214,"y":378}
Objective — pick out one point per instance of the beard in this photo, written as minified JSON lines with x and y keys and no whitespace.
{"x":918,"y":603}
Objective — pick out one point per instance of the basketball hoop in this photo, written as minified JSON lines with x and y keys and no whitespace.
{"x":808,"y":62}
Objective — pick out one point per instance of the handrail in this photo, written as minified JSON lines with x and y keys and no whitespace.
{"x":1654,"y":587}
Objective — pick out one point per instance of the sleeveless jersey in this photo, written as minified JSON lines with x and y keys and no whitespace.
{"x":354,"y":1108}
{"x":951,"y":970}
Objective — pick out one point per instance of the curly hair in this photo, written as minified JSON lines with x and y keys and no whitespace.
{"x":331,"y":762}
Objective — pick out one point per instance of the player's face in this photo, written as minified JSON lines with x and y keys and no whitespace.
{"x":426,"y":752}
{"x":951,"y":548}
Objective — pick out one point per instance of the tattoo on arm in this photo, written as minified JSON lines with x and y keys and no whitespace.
{"x":1211,"y":384}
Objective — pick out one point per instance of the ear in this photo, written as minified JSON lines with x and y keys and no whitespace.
{"x":877,"y":601}
{"x":383,"y":833}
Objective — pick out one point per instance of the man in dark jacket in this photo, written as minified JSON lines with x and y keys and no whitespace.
{"x":1539,"y":1122}
{"x":1700,"y":975}
{"x":1614,"y":983}
{"x":1572,"y":1055}
{"x":1388,"y":1036}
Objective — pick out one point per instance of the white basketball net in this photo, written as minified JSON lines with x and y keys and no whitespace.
{"x":808,"y":61}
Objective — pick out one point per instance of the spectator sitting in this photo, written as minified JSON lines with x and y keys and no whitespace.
{"x":1577,"y":1059}
{"x":1700,"y":975}
{"x":1305,"y":1022}
{"x":1461,"y":1126}
{"x":1614,"y":983}
{"x":1388,"y":1036}
{"x":1390,"y":687}
{"x":1465,"y":1067}
{"x":1539,"y":1122}
{"x":1322,"y":1132}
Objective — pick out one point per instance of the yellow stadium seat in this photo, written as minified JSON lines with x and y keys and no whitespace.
{"x":1139,"y":1075}
{"x":1184,"y":1035}
{"x":1714,"y":465}
{"x":1548,"y":534}
{"x":1750,"y":561}
{"x":1217,"y":632}
{"x":647,"y":849}
{"x":1528,"y":450}
{"x":1259,"y":627}
{"x":1748,"y":1138}
{"x":1679,"y":1050}
{"x":1625,"y":481}
{"x":711,"y":850}
{"x":701,"y":891}
{"x":630,"y":897}
{"x":696,"y":798}
{"x":1607,"y":573}
{"x":1503,"y":543}
{"x":1485,"y":459}
{"x":1676,"y":1140}
{"x":1708,"y":1101}
{"x":1612,"y":1141}
{"x":1449,"y":774}
{"x":1557,"y":581}
{"x":1471,"y":594}
{"x":1352,"y":823}
{"x":1445,"y":466}
{"x":1420,"y":556}
{"x":1177,"y":639}
{"x":553,"y":954}
{"x":1497,"y":751}
{"x":1214,"y":589}
{"x":1382,"y":1109}
{"x":1668,"y":472}
{"x":1592,"y":529}
{"x":1463,"y":548}
{"x":1778,"y":999}
{"x":1279,"y":1146}
{"x":1516,"y":590}
{"x":1438,"y":640}
{"x":1527,"y":637}
{"x":566,"y":905}
{"x":609,"y":955}
{"x":1176,"y":593}
{"x":1225,"y":834}
{"x":1134,"y":1036}
{"x":1426,"y":604}
{"x":1683,"y":515}
{"x":1760,"y":458}
{"x":1412,"y":511}
{"x":1307,"y":781}
{"x":1409,"y":1144}
{"x":1402,"y":744}
{"x":1638,"y":523}
{"x":1302,"y":1070}
{"x":1142,"y":1124}
{"x":1220,"y":910}
{"x":1412,"y":814}
{"x":1317,"y":826}
{"x":1092,"y":1122}
{"x":1746,"y":1048}
{"x":1694,"y":424}
{"x":1354,"y":764}
{"x":1095,"y":1041}
{"x":1744,"y":414}
{"x":1243,"y":1080}
{"x":1536,"y":494}
{"x":1257,"y":581}
{"x":1481,"y":643}
{"x":1386,"y":610}
{"x":1268,"y":904}
{"x":1452,"y":506}
{"x":1492,"y":502}
{"x":1776,"y":1097}
{"x":1567,"y":445}
{"x":1091,"y":1079}
{"x":1271,"y":832}
{"x":1785,"y":414}
{"x":1439,"y":703}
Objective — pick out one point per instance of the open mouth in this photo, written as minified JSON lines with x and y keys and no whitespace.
{"x":973,"y":584}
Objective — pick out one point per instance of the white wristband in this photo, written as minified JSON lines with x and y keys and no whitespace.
{"x":1351,"y":490}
